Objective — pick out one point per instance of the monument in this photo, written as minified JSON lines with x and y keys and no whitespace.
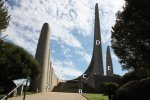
{"x":92,"y":78}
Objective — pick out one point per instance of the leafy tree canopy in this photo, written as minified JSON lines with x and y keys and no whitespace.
{"x":131,"y":35}
{"x":16,"y":63}
{"x":4,"y":18}
{"x":136,"y":75}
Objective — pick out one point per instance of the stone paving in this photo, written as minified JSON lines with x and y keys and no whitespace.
{"x":51,"y":96}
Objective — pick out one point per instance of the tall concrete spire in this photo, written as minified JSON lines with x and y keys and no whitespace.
{"x":42,"y":56}
{"x":95,"y":69}
{"x":96,"y":65}
{"x":97,"y":52}
{"x":109,"y":65}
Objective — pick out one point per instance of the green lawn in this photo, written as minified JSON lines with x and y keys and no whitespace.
{"x":95,"y":97}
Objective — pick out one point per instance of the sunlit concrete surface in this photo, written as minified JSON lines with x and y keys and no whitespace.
{"x":51,"y":96}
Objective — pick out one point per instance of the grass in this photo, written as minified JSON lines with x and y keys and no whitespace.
{"x":95,"y":96}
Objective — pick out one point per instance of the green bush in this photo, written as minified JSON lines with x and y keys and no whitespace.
{"x":16,"y":63}
{"x":136,"y":75}
{"x":134,"y":90}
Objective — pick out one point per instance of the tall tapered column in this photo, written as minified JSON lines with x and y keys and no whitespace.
{"x":97,"y":52}
{"x":109,"y":65}
{"x":42,"y":56}
{"x":96,"y":65}
{"x":95,"y":70}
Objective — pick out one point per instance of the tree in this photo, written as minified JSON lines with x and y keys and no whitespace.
{"x":136,"y":75}
{"x":4,"y":18}
{"x":16,"y":63}
{"x":134,"y":90}
{"x":131,"y":35}
{"x":110,"y":88}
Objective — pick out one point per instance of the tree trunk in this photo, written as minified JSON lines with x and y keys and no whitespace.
{"x":109,"y":96}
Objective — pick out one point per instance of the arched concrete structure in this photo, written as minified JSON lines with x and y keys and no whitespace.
{"x":95,"y":72}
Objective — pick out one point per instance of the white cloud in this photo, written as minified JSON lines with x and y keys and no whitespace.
{"x":85,"y":56}
{"x":63,"y":69}
{"x":71,"y":41}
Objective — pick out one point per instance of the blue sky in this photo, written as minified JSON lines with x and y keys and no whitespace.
{"x":72,"y":30}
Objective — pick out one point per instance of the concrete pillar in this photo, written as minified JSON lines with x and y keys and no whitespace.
{"x":20,"y":90}
{"x":42,"y":56}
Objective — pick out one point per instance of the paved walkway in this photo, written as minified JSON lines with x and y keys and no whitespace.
{"x":51,"y":96}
